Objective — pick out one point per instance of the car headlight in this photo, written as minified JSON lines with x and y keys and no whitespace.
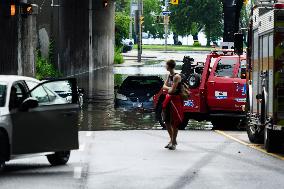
{"x":151,"y":99}
{"x":121,"y":97}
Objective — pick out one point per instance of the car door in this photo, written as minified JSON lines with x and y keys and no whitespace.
{"x":221,"y":84}
{"x":52,"y":125}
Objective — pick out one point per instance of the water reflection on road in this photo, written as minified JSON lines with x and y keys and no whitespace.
{"x":99,"y":112}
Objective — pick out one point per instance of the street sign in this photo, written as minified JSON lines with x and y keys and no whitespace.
{"x":166,"y":12}
{"x":174,"y":2}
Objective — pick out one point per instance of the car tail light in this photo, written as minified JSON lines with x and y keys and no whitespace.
{"x":279,"y":5}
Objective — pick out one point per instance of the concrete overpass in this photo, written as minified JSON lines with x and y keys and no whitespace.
{"x":82,"y":33}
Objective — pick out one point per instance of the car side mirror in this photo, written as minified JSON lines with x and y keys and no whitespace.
{"x":29,"y":103}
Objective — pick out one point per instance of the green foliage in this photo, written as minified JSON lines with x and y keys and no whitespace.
{"x":44,"y":66}
{"x":122,"y":6}
{"x":197,"y":44}
{"x":190,"y":17}
{"x":152,"y":9}
{"x":122,"y":21}
{"x":118,"y":58}
{"x":118,"y":79}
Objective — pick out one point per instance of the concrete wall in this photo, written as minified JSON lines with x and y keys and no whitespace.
{"x":82,"y":32}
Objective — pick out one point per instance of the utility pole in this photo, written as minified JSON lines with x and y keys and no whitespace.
{"x":139,"y":33}
{"x":166,"y":24}
{"x":131,"y":19}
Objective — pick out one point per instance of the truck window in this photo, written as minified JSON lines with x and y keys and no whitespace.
{"x":225,"y":67}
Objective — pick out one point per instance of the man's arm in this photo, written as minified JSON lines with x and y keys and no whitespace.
{"x":166,"y":87}
{"x":177,"y":79}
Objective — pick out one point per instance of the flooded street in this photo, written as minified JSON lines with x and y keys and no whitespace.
{"x":100,"y":112}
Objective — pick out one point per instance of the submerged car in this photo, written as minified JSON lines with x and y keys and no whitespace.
{"x":138,"y":92}
{"x":34,"y":120}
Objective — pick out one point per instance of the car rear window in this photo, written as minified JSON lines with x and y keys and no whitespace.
{"x":225,"y":67}
{"x":2,"y":95}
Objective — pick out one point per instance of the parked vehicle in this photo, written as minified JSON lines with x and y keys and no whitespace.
{"x":266,"y":77}
{"x":37,"y":121}
{"x":218,"y":90}
{"x":138,"y":92}
{"x":127,"y":45}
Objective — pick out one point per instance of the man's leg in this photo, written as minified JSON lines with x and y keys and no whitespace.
{"x":170,"y":131}
{"x":174,"y":135}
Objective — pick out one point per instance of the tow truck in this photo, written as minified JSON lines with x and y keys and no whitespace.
{"x":217,"y":90}
{"x":265,"y":76}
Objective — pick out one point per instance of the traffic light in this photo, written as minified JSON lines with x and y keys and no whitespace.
{"x":105,"y":3}
{"x":174,"y":2}
{"x":8,"y":8}
{"x":141,"y":20}
{"x":246,"y":2}
{"x":26,"y":9}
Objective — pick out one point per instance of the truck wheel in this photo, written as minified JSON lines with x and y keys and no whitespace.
{"x":193,"y":81}
{"x":184,"y":123}
{"x":59,"y":158}
{"x":159,"y":110}
{"x":255,"y":134}
{"x":271,"y":141}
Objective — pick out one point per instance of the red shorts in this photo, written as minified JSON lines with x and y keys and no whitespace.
{"x":174,"y":104}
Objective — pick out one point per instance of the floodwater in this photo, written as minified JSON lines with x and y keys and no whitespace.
{"x":99,"y":112}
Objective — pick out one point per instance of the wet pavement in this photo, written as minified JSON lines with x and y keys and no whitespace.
{"x":100,"y":113}
{"x":138,"y":159}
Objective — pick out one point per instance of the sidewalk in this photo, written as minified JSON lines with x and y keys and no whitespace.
{"x":131,"y":57}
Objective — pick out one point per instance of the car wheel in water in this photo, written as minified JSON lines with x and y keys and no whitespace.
{"x":59,"y":158}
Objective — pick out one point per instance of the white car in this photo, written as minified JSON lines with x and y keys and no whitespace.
{"x":34,"y":120}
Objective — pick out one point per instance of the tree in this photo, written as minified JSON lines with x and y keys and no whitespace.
{"x":190,"y":17}
{"x":152,"y":11}
{"x":122,"y":6}
{"x":122,"y":21}
{"x":212,"y":19}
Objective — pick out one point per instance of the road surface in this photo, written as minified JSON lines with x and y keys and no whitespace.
{"x":137,"y":159}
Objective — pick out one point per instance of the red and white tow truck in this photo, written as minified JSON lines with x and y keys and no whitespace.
{"x":218,"y":90}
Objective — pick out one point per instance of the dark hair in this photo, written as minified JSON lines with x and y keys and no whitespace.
{"x":171,"y":64}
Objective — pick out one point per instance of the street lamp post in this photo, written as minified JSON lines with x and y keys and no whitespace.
{"x":166,"y":25}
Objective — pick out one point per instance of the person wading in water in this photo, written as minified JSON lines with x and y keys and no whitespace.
{"x":173,"y":104}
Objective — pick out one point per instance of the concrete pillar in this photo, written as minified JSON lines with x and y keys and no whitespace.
{"x":27,"y":46}
{"x":103,"y":34}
